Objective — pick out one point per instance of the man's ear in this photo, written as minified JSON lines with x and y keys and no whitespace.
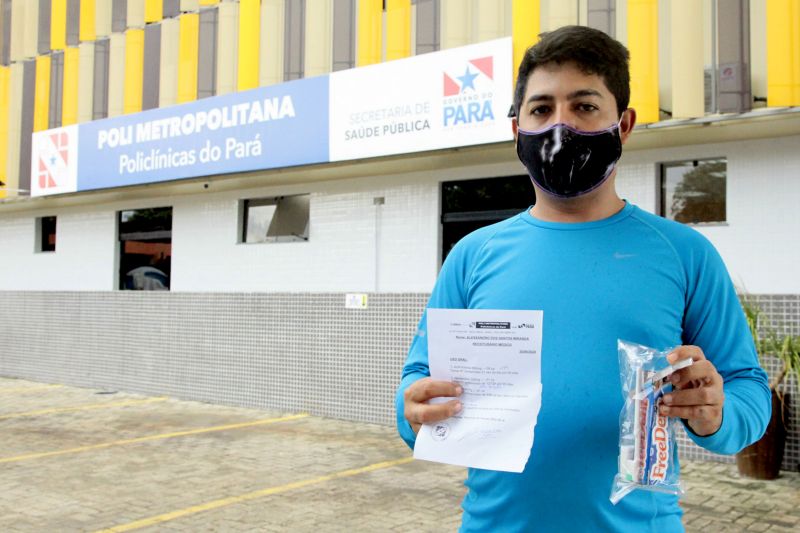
{"x":626,"y":124}
{"x":514,"y":128}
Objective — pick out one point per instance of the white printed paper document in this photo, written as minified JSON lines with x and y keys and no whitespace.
{"x":496,"y":358}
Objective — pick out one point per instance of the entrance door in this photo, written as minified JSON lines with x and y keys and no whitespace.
{"x":471,"y":204}
{"x":145,"y":237}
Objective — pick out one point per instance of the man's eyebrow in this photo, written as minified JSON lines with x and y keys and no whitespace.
{"x":539,"y":98}
{"x":580,"y":93}
{"x":583,"y":92}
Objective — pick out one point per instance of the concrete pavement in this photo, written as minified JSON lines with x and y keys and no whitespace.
{"x":75,"y":459}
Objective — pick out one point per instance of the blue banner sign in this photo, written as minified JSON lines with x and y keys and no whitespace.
{"x":278,"y":126}
{"x":455,"y":97}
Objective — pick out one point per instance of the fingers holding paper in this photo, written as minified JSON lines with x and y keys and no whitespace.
{"x":698,"y":395}
{"x":417,"y":409}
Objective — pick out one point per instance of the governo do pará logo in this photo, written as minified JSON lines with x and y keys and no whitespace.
{"x":468,"y":92}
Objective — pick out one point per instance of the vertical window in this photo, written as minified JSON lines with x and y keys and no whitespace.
{"x":5,"y":32}
{"x":428,"y":24}
{"x":46,"y":234}
{"x":152,"y":66}
{"x":119,"y":15}
{"x":56,"y":89}
{"x":145,"y":237}
{"x":294,"y":39}
{"x":602,"y":16}
{"x":278,"y":219}
{"x":102,"y":49}
{"x":207,"y":53}
{"x":26,"y":129}
{"x":73,"y":22}
{"x":43,"y":45}
{"x":172,"y":8}
{"x":471,"y":204}
{"x":344,"y":42}
{"x":694,"y":192}
{"x":732,"y":89}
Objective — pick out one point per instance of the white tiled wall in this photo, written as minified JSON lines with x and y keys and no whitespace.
{"x":340,"y":254}
{"x":356,"y":246}
{"x":760,"y":242}
{"x":84,"y":256}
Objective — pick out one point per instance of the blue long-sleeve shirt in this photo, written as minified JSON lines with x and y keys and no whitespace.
{"x":633,"y":276}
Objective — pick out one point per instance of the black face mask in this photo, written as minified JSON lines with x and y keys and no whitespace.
{"x":566,"y":162}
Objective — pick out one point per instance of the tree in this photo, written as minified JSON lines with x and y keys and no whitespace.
{"x":700,"y":195}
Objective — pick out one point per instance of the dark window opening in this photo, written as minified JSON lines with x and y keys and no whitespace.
{"x":471,"y":204}
{"x":145,"y":237}
{"x":278,"y":219}
{"x":694,"y":192}
{"x":46,"y":234}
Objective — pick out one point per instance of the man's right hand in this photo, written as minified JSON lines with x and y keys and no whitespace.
{"x":418,"y":411}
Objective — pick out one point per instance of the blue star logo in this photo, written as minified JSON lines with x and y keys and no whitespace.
{"x":467,"y":80}
{"x":52,"y":160}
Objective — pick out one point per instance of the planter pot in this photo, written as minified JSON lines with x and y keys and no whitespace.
{"x":762,"y":459}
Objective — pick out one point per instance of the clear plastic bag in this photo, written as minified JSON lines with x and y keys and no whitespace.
{"x":647,"y":448}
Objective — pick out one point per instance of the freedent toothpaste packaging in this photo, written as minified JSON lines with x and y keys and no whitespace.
{"x":646,"y":439}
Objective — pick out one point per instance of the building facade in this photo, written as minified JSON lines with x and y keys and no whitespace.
{"x":358,"y":141}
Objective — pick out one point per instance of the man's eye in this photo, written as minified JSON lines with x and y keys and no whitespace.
{"x":587,"y":107}
{"x":540,"y":110}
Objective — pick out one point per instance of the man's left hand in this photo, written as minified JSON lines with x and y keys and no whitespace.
{"x":697,"y":396}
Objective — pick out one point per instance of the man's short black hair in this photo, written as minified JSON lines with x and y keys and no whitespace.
{"x":591,"y":50}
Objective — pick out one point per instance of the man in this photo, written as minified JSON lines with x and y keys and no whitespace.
{"x":601,"y":270}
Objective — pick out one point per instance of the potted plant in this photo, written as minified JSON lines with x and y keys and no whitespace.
{"x":762,"y":459}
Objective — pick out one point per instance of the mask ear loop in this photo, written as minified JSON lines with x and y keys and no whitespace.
{"x":619,"y":122}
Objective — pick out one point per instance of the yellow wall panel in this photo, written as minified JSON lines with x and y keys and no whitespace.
{"x":168,"y":75}
{"x":69,"y":105}
{"x":456,"y":29}
{"x":270,"y":67}
{"x":58,"y":24}
{"x":5,"y":77}
{"x":783,"y":52}
{"x":525,"y":28}
{"x":209,"y":2}
{"x":87,"y":26}
{"x":643,"y":47}
{"x":319,"y":37}
{"x":249,"y":43}
{"x":85,"y":81}
{"x":116,"y":74}
{"x":102,"y":17}
{"x":398,"y":29}
{"x":368,"y":36}
{"x":134,"y":70}
{"x":227,"y":47}
{"x":153,"y":10}
{"x":41,"y":97}
{"x":187,"y":57}
{"x":686,"y":43}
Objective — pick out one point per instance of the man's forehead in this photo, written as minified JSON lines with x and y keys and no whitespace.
{"x":567,"y":78}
